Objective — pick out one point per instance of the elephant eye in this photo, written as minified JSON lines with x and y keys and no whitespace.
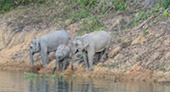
{"x":59,"y":57}
{"x":30,"y":47}
{"x":76,"y":44}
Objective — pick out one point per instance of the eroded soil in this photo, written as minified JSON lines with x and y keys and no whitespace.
{"x":138,"y":53}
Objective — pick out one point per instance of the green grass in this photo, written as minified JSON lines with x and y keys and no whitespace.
{"x":30,"y":75}
{"x":166,"y":14}
{"x":53,"y":76}
{"x":33,"y":75}
{"x":139,"y":17}
{"x":78,"y":16}
{"x":165,"y":3}
{"x":91,"y":24}
{"x":73,"y":76}
{"x":146,"y":32}
{"x":61,"y":75}
{"x":119,"y":4}
{"x":6,"y":5}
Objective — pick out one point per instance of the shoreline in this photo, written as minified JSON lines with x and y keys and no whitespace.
{"x":98,"y":72}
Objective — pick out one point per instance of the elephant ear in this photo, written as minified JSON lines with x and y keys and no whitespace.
{"x":85,"y":42}
{"x":79,"y":42}
{"x":38,"y":44}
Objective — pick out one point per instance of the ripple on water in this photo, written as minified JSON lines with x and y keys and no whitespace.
{"x":17,"y":82}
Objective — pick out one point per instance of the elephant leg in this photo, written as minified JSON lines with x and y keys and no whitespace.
{"x":90,"y":60}
{"x":64,"y":64}
{"x":98,"y":56}
{"x":103,"y":55}
{"x":44,"y":57}
{"x":85,"y":60}
{"x":55,"y":68}
{"x":60,"y":66}
{"x":72,"y":62}
{"x":106,"y":53}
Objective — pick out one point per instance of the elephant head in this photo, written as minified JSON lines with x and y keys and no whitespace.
{"x":58,"y":58}
{"x":61,"y":56}
{"x":34,"y":48}
{"x":79,"y":44}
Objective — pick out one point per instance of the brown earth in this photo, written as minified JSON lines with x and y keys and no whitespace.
{"x":139,"y":53}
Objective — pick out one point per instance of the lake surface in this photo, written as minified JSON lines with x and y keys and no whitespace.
{"x":17,"y":82}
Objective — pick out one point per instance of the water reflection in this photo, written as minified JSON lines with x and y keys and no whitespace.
{"x":45,"y":85}
{"x":17,"y":82}
{"x":59,"y":85}
{"x":87,"y":87}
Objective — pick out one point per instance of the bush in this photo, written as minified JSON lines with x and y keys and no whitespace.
{"x":6,"y":5}
{"x":140,"y":16}
{"x":90,"y":25}
{"x":120,"y":4}
{"x":166,"y":14}
{"x":82,"y":14}
{"x":85,"y":3}
{"x":165,"y":3}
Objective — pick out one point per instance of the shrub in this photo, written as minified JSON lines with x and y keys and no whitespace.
{"x":165,"y":3}
{"x":120,"y":4}
{"x":146,"y":32}
{"x":92,"y":24}
{"x":166,"y":14}
{"x":140,"y":16}
{"x":85,"y":3}
{"x":6,"y":5}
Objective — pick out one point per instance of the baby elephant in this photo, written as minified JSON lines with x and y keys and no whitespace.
{"x":62,"y":55}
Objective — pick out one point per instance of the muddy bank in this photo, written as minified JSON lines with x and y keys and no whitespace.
{"x":140,"y":52}
{"x":100,"y":72}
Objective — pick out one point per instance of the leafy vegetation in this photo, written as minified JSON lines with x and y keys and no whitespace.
{"x":119,"y":4}
{"x":73,"y":76}
{"x":61,"y":75}
{"x":82,"y":14}
{"x":53,"y":76}
{"x":90,"y":25}
{"x":6,"y":5}
{"x":166,"y":14}
{"x":165,"y":3}
{"x":30,"y":75}
{"x":33,"y":75}
{"x":146,"y":32}
{"x":139,"y":17}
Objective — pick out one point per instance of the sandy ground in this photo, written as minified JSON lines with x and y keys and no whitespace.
{"x":141,"y":53}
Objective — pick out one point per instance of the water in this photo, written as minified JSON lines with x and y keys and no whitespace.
{"x":17,"y":82}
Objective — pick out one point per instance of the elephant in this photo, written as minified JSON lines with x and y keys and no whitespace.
{"x":97,"y":56}
{"x":89,"y":44}
{"x":48,"y":43}
{"x":62,"y":55}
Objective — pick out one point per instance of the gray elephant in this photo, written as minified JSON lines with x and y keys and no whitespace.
{"x":62,"y":55}
{"x":89,"y":44}
{"x":48,"y":43}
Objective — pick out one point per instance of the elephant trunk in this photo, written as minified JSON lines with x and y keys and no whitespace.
{"x":72,"y":60}
{"x":54,"y":70}
{"x":31,"y":57}
{"x":73,"y":57}
{"x":57,"y":63}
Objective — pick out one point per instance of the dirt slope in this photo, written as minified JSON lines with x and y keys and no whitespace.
{"x":138,"y":53}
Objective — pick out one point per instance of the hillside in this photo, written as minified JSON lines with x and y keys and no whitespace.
{"x":140,"y":36}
